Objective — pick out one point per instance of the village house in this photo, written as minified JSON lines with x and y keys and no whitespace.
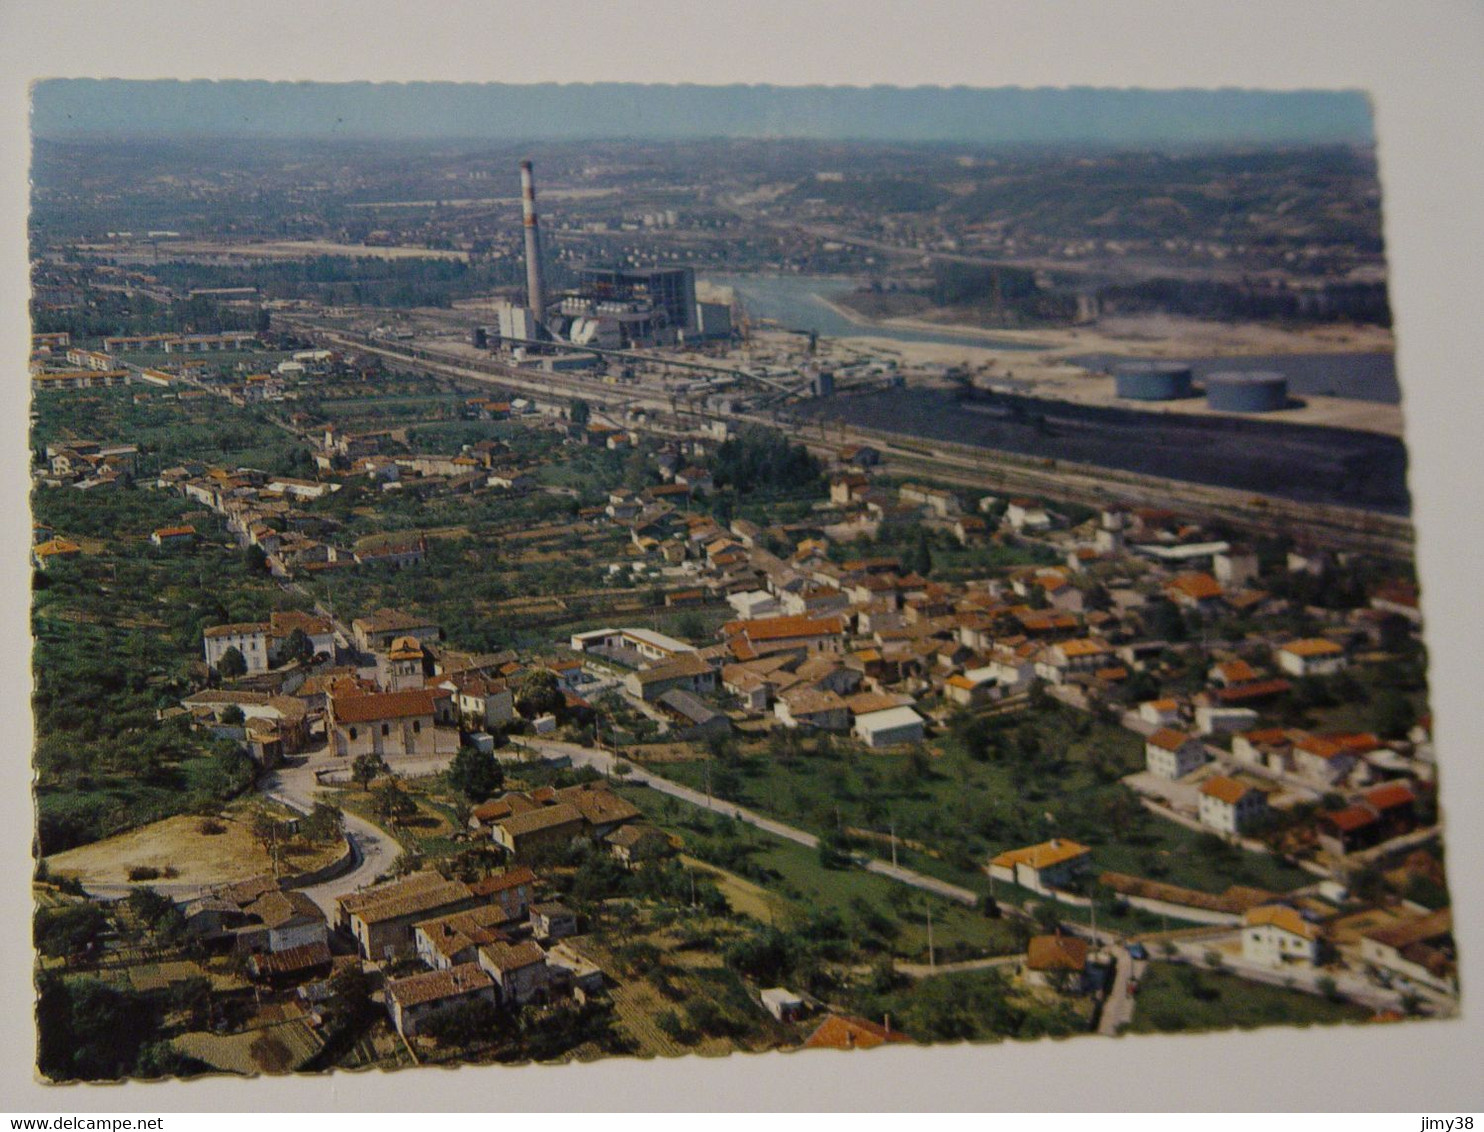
{"x":1057,"y":962}
{"x":1276,"y":935}
{"x":482,"y":703}
{"x":761,"y":637}
{"x":637,"y":843}
{"x":1381,"y":814}
{"x":1042,"y":868}
{"x":1173,"y":754}
{"x":518,"y":970}
{"x":382,"y":919}
{"x":183,"y":535}
{"x":1313,"y":656}
{"x":448,"y":941}
{"x":844,"y":1031}
{"x":1329,"y":759}
{"x":687,"y":672}
{"x":1027,"y":515}
{"x":1162,"y":713}
{"x":377,"y":632}
{"x":1230,"y":807}
{"x":693,"y":717}
{"x":415,"y":1000}
{"x":1195,"y":591}
{"x":1065,"y":658}
{"x":552,"y":920}
{"x":53,"y":550}
{"x":821,"y":710}
{"x":889,"y":727}
{"x":1420,"y":949}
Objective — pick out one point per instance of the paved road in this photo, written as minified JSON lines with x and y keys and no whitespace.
{"x":374,"y":849}
{"x":606,"y":763}
{"x":1352,"y":987}
{"x":1118,"y":1009}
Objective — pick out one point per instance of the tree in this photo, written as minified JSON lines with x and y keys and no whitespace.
{"x":232,"y":716}
{"x":324,"y":823}
{"x":581,"y":412}
{"x":70,"y":930}
{"x":922,"y":556}
{"x":539,"y":693}
{"x":475,"y":774}
{"x":255,"y":559}
{"x":367,"y":768}
{"x":392,"y":803}
{"x":1393,"y":714}
{"x":232,"y":664}
{"x":299,"y":647}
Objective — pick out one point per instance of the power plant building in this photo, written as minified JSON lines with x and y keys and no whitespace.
{"x":1152,"y":381}
{"x":671,"y":290}
{"x":1252,"y":391}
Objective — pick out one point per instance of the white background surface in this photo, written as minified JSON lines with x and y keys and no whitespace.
{"x":1420,"y":61}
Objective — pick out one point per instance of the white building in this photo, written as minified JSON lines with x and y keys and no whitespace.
{"x":1230,"y":807}
{"x":248,"y":638}
{"x":889,"y":727}
{"x":1312,"y":657}
{"x":754,"y":604}
{"x":1212,"y":720}
{"x":1173,"y":754}
{"x":1275,"y":935}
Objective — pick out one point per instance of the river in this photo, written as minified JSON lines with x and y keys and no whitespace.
{"x":801,"y":302}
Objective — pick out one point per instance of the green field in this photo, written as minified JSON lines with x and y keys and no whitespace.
{"x":1174,"y":998}
{"x":880,"y":908}
{"x":1053,"y":772}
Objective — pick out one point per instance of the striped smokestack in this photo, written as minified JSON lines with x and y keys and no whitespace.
{"x":535,"y":293}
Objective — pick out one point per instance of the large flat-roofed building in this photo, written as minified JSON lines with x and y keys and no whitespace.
{"x":670,"y":289}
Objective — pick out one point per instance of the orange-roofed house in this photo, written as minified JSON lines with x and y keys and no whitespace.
{"x":842,"y":1031}
{"x":1057,"y":961}
{"x":1173,"y":754}
{"x":1313,"y":656}
{"x":1161,"y":713}
{"x":1067,"y":657}
{"x":1328,"y":759}
{"x":1275,"y":935}
{"x":1194,"y":591}
{"x":173,"y":536}
{"x":1229,"y":806}
{"x":1041,"y":868}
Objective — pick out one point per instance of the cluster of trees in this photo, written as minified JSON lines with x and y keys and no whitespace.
{"x":93,"y":1031}
{"x":760,"y":459}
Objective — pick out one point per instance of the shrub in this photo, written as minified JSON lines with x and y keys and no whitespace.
{"x":143,"y":872}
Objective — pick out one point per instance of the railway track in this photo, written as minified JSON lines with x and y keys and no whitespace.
{"x":951,"y":463}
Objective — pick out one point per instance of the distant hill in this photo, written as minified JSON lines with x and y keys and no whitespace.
{"x":78,"y":108}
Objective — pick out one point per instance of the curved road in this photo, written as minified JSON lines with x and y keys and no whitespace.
{"x":606,"y":763}
{"x":374,"y":849}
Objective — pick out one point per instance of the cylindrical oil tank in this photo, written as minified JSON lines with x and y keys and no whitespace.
{"x":1249,"y":391}
{"x":1152,"y":381}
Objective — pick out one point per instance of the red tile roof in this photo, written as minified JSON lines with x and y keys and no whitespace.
{"x":382,"y":705}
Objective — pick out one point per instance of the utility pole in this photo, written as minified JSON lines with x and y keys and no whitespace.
{"x":893,"y":843}
{"x":932,"y":958}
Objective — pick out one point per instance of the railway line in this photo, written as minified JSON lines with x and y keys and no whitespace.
{"x":946,"y":462}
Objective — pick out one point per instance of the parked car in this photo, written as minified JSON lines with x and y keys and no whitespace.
{"x":1138,"y":951}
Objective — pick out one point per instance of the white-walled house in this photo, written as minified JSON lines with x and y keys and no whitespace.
{"x":889,"y":727}
{"x":1313,"y":656}
{"x":1173,"y":754}
{"x":1230,"y":807}
{"x":1275,"y":935}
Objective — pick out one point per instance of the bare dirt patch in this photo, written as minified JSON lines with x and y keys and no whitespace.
{"x":178,"y":843}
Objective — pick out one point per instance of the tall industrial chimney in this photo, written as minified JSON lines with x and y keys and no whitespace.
{"x":535,"y":293}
